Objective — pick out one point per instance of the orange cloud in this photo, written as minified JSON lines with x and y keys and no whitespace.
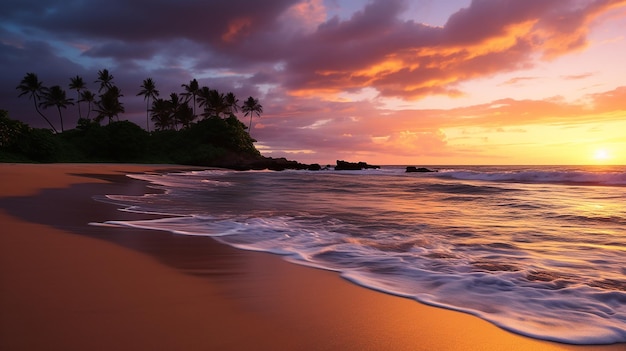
{"x":566,"y":32}
{"x":516,"y":80}
{"x":411,"y":61}
{"x":501,"y":131}
{"x":610,"y":101}
{"x":410,"y":143}
{"x":320,"y":93}
{"x":578,"y":76}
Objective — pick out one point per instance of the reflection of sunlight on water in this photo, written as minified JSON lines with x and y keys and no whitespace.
{"x":538,"y":246}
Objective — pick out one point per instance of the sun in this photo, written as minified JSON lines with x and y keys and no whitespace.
{"x":601,"y":155}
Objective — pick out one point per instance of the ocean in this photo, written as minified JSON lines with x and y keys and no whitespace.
{"x":539,"y":251}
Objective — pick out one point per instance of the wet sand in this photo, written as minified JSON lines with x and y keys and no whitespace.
{"x":68,"y":285}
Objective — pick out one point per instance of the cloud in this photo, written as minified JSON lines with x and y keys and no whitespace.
{"x":305,"y":16}
{"x":413,"y":144}
{"x":517,"y":80}
{"x":610,"y":101}
{"x":137,"y":21}
{"x":326,"y":126}
{"x":302,"y":62}
{"x":374,"y":48}
{"x":578,"y":76}
{"x":30,"y":56}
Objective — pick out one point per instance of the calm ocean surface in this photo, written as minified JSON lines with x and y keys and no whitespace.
{"x":539,"y":251}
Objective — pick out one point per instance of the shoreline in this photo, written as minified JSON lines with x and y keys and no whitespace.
{"x":68,"y":285}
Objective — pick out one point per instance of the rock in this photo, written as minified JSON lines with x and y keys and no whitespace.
{"x":353,"y":166}
{"x":413,"y":169}
{"x":278,"y":164}
{"x":245,"y":162}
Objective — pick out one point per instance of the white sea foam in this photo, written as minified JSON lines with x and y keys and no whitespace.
{"x":535,"y":176}
{"x":544,"y":262}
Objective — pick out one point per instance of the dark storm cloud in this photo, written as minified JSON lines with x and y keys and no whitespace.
{"x":142,"y":20}
{"x":30,"y":57}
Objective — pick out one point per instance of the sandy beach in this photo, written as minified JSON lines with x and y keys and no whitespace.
{"x":69,"y":285}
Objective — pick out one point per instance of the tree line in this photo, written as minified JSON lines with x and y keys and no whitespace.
{"x":171,"y":113}
{"x":197,"y":126}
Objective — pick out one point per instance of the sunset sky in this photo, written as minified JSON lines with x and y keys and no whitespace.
{"x":420,"y":82}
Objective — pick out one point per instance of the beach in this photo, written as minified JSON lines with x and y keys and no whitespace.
{"x":69,"y":285}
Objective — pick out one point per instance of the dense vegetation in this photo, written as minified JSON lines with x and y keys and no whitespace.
{"x":214,"y":138}
{"x":210,"y":142}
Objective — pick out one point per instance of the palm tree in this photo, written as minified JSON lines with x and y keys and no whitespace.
{"x":232,"y":103}
{"x":109,"y":105}
{"x":88,"y":97}
{"x":31,"y":85}
{"x":251,"y":106}
{"x":55,"y":96}
{"x":203,"y":98}
{"x":148,"y":90}
{"x":162,"y":114}
{"x":191,"y":89}
{"x":175,"y":106}
{"x":214,"y":104}
{"x":77,"y":83}
{"x":105,"y":79}
{"x":185,"y":115}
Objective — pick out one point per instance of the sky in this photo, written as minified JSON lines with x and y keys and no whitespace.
{"x":422,"y":82}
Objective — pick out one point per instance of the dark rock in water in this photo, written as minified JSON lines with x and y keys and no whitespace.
{"x":413,"y":169}
{"x":278,"y":164}
{"x":353,"y":166}
{"x":244,"y":163}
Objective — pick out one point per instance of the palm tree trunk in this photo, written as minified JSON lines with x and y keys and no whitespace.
{"x":80,"y":115}
{"x":148,"y":115}
{"x":44,"y":117}
{"x":61,"y":118}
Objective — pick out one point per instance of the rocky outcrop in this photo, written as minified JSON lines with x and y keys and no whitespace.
{"x":248,"y":162}
{"x":413,"y":169}
{"x":274,"y":164}
{"x":314,"y":167}
{"x":242,"y":162}
{"x":278,"y":164}
{"x":353,"y":166}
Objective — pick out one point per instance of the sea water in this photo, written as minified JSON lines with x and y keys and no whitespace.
{"x":540,"y":251}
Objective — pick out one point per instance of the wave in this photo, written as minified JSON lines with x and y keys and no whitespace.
{"x":528,"y":259}
{"x":466,"y":189}
{"x":538,"y":304}
{"x":539,"y":176}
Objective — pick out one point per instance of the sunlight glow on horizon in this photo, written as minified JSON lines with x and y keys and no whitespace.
{"x":602,"y":156}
